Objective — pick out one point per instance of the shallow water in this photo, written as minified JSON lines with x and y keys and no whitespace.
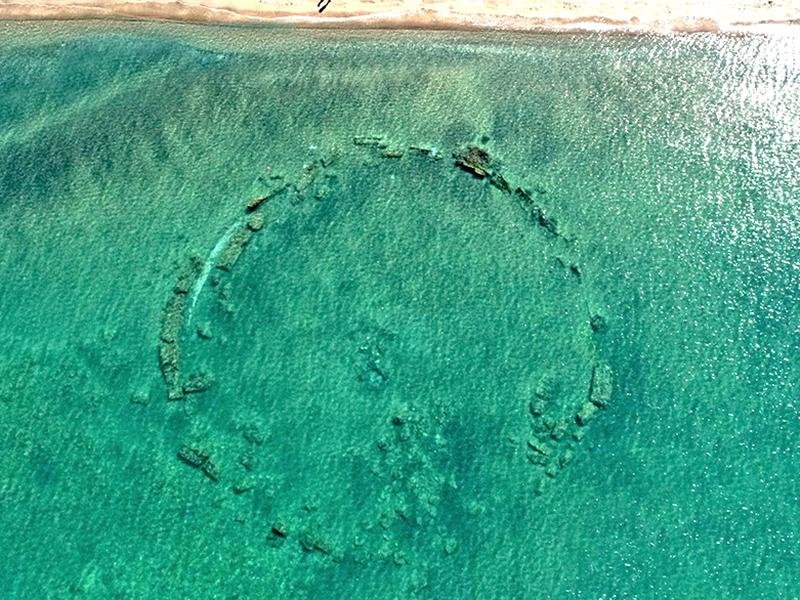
{"x":386,"y":381}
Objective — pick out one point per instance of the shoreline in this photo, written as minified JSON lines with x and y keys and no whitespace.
{"x":253,"y":12}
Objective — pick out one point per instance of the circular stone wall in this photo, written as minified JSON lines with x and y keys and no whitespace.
{"x":393,"y":357}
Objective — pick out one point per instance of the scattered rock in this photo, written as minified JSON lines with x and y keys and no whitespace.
{"x":204,"y":331}
{"x":242,"y":487}
{"x":538,"y":404}
{"x":329,"y":159}
{"x":597,"y":321}
{"x":277,"y":534}
{"x":537,"y":459}
{"x":559,"y":430}
{"x":252,"y":434}
{"x":450,"y":546}
{"x":248,"y":461}
{"x":142,"y":398}
{"x":578,"y":434}
{"x":372,"y":370}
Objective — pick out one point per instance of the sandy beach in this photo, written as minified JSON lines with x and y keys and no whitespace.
{"x":518,"y":15}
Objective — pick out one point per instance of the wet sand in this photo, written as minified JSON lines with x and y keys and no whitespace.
{"x":517,"y":15}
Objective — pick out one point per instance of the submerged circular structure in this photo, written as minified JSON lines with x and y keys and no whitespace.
{"x":382,"y":390}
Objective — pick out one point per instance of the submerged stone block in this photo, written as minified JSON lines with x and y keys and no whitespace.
{"x":173,"y":318}
{"x":199,"y":382}
{"x":369,"y":140}
{"x":310,"y":541}
{"x":424,"y":151}
{"x":277,"y":534}
{"x":474,"y":160}
{"x":567,"y":457}
{"x":256,"y":202}
{"x":168,"y":358}
{"x":586,"y":413}
{"x":601,"y":385}
{"x":255,"y":221}
{"x":597,"y":320}
{"x":539,"y":447}
{"x":265,"y":190}
{"x":168,"y":348}
{"x":199,"y":460}
{"x":230,"y":254}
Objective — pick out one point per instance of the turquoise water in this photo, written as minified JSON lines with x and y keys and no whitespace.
{"x":395,"y":379}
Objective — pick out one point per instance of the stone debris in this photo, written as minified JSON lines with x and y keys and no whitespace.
{"x":554,"y":436}
{"x":537,"y":213}
{"x":477,"y":162}
{"x":450,"y":546}
{"x":425,"y":151}
{"x":197,"y":383}
{"x":311,"y":542}
{"x":199,"y":460}
{"x":188,"y":275}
